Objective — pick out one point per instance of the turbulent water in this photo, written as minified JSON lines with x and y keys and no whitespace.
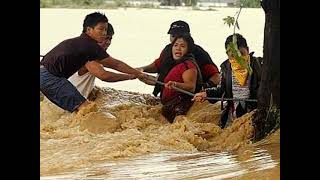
{"x":123,"y":136}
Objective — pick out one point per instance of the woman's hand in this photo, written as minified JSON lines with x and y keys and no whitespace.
{"x":170,"y":84}
{"x":200,"y":97}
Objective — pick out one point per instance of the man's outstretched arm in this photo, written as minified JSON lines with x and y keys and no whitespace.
{"x":98,"y":71}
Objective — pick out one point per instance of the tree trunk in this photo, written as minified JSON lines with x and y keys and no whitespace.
{"x":270,"y":79}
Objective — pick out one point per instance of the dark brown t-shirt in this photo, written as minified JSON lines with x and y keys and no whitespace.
{"x":70,"y":55}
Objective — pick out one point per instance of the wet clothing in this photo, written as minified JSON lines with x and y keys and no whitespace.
{"x":60,"y":63}
{"x":175,"y":74}
{"x":175,"y":103}
{"x":240,"y":73}
{"x":70,"y":55}
{"x":60,"y":91}
{"x":169,"y":63}
{"x":179,"y":105}
{"x":84,"y":83}
{"x":203,"y":60}
{"x":227,"y":86}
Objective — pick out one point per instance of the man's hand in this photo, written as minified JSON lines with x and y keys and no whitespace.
{"x":82,"y":71}
{"x":148,"y":79}
{"x":200,"y":97}
{"x":139,"y":69}
{"x":131,"y":76}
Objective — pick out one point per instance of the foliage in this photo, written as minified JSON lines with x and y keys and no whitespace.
{"x":43,"y":4}
{"x":120,"y":3}
{"x":230,"y":21}
{"x":124,"y":3}
{"x":266,"y":121}
{"x":232,"y":46}
{"x":88,"y":2}
{"x":275,"y":113}
{"x":170,"y":2}
{"x":250,"y":3}
{"x":71,"y":3}
{"x":190,"y":2}
{"x":237,"y":55}
{"x":146,"y":6}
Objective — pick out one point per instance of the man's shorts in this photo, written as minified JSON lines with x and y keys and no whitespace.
{"x":60,"y":91}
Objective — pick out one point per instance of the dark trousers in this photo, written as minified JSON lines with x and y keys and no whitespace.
{"x":60,"y":91}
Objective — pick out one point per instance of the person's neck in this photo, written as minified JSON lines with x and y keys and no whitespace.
{"x":89,"y":36}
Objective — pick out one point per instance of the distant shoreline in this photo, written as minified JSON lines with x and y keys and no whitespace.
{"x":133,"y":7}
{"x":147,"y":4}
{"x":141,"y":6}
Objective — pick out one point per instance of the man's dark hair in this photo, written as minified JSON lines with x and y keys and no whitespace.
{"x":110,"y":30}
{"x":188,"y":39}
{"x":91,"y":20}
{"x":241,"y":41}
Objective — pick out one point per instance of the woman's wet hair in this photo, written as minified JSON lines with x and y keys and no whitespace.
{"x":188,"y":39}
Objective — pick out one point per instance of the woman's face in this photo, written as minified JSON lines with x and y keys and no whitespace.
{"x":179,"y":48}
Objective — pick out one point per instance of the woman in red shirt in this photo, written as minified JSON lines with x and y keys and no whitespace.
{"x":180,"y":70}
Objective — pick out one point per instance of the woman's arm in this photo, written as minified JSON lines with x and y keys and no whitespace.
{"x":189,"y":81}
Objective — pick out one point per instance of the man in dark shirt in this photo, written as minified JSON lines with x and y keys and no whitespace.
{"x":70,"y":55}
{"x":209,"y":71}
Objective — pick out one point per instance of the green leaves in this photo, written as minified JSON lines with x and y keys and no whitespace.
{"x":237,"y":25}
{"x":233,"y":48}
{"x":275,"y":112}
{"x":231,"y":21}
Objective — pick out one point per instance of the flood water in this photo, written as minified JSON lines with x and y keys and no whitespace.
{"x":122,"y":136}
